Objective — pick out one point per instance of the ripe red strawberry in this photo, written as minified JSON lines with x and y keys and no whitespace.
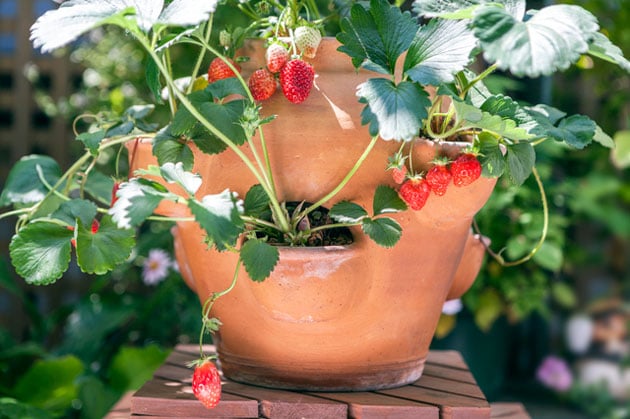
{"x":262,"y":84}
{"x":95,"y":226}
{"x":439,"y":178}
{"x":206,"y":384}
{"x":307,"y":40}
{"x":415,"y":192}
{"x":276,"y":57}
{"x":296,"y":80}
{"x":465,"y":169}
{"x":220,"y":70}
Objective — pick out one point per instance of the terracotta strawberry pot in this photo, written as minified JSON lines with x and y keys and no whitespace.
{"x":351,"y":317}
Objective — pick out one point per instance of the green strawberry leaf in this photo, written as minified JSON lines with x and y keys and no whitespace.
{"x":186,"y":12}
{"x":131,"y":367}
{"x":503,"y":126}
{"x":123,"y":128}
{"x":40,"y":252}
{"x":137,"y":199}
{"x":138,"y":112}
{"x":387,"y":200}
{"x":521,"y":158}
{"x":24,"y":185}
{"x":175,"y":173}
{"x":463,"y":9}
{"x":76,"y":17}
{"x":259,"y":259}
{"x":152,"y":75}
{"x":205,"y":141}
{"x":99,"y":186}
{"x":439,"y":50}
{"x":384,"y":231}
{"x":256,"y":202}
{"x":538,"y":46}
{"x":347,"y":212}
{"x":620,"y":155}
{"x":396,"y":111}
{"x":601,"y":47}
{"x":75,"y":209}
{"x":101,"y":251}
{"x":375,"y":38}
{"x":219,"y":216}
{"x":603,"y":138}
{"x":171,"y":149}
{"x":61,"y":376}
{"x":223,"y":88}
{"x":92,"y":140}
{"x":549,"y":256}
{"x":226,"y":117}
{"x":491,"y":158}
{"x":576,"y":130}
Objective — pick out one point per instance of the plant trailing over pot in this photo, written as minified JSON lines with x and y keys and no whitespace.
{"x":423,"y":93}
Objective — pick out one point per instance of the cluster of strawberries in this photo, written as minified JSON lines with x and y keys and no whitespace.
{"x":415,"y":190}
{"x":295,"y":75}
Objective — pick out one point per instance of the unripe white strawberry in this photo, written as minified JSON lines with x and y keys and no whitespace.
{"x":307,"y":40}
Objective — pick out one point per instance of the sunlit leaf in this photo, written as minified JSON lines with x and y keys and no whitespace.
{"x":396,"y":111}
{"x":439,"y":50}
{"x":40,"y":252}
{"x":23,"y":185}
{"x":375,"y":38}
{"x":552,"y":39}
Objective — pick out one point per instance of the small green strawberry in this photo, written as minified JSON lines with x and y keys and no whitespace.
{"x":307,"y":40}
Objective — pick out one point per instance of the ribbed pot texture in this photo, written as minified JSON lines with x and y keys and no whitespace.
{"x":353,"y":317}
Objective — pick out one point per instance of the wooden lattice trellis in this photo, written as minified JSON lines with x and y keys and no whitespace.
{"x":24,"y":128}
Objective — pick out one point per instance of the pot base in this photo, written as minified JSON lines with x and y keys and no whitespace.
{"x":303,"y":378}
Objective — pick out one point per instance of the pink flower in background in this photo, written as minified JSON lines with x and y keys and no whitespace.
{"x":555,"y":373}
{"x":156,"y":267}
{"x":452,"y":307}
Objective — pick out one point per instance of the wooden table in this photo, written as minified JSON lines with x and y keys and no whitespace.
{"x":446,"y":390}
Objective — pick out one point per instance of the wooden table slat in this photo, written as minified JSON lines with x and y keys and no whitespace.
{"x":369,"y":405}
{"x":284,"y":404}
{"x":447,"y":390}
{"x":450,"y":386}
{"x":160,"y":397}
{"x":434,"y":370}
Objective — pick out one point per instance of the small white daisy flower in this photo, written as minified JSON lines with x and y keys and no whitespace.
{"x":155,"y":268}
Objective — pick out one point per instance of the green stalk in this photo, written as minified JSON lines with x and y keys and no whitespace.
{"x":207,"y":306}
{"x":201,"y":56}
{"x":481,"y":76}
{"x":284,"y":224}
{"x":343,"y":182}
{"x":543,"y":235}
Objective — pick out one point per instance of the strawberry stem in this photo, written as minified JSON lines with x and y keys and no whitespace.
{"x":207,"y":306}
{"x":343,"y":182}
{"x":543,"y":235}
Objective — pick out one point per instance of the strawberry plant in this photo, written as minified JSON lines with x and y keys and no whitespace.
{"x":423,"y":86}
